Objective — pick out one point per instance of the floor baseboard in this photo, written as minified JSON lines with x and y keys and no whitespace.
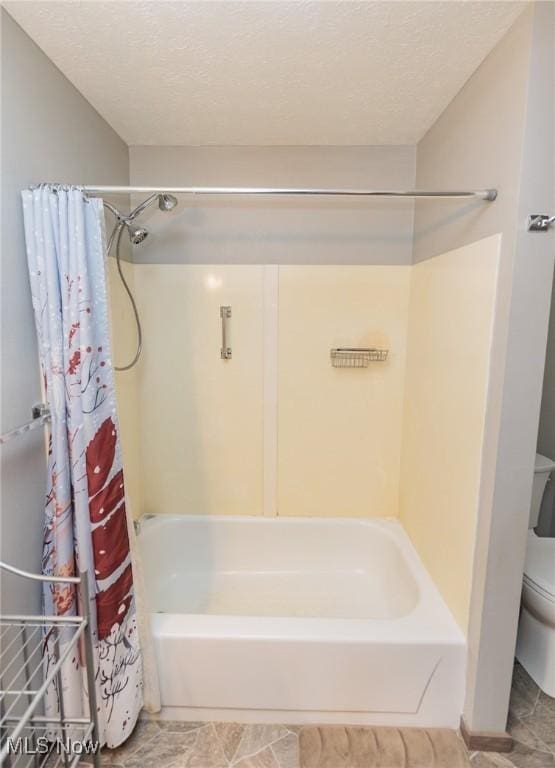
{"x":482,"y":741}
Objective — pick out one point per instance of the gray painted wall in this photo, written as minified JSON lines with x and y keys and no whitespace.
{"x":546,"y":435}
{"x":498,"y":131}
{"x":509,"y":459}
{"x":476,"y":142}
{"x":282,"y":231}
{"x":49,"y":133}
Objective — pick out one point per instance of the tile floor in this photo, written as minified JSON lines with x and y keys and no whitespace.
{"x":164,"y":744}
{"x":532,"y":726}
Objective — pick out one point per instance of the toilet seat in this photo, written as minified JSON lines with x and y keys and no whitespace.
{"x":538,"y":589}
{"x":539,"y":568}
{"x":540,"y":604}
{"x":535,"y":647}
{"x":536,"y":636}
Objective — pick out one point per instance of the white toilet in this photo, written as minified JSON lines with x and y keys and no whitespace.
{"x":536,"y":631}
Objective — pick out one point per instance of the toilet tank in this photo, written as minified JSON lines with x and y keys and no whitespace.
{"x":543,"y":467}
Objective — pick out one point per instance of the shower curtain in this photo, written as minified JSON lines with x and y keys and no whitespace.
{"x":86,"y":522}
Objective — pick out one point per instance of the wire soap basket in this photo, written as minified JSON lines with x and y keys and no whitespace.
{"x":357,"y":357}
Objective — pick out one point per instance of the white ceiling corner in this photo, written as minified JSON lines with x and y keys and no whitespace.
{"x":267,"y":73}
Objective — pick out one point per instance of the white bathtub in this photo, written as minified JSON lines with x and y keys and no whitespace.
{"x":299,"y":620}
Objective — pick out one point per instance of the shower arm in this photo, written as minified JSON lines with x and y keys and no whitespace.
{"x":113,"y":210}
{"x":134,"y":213}
{"x":143,"y":206}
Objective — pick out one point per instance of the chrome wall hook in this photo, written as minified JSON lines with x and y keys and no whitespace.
{"x":539,"y":222}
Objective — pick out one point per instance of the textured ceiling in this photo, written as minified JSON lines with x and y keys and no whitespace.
{"x":267,"y":72}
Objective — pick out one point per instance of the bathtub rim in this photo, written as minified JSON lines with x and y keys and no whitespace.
{"x":430,"y":621}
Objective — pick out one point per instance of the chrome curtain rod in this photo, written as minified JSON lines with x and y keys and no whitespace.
{"x":481,"y":194}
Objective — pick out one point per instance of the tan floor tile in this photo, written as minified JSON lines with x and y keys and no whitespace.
{"x":207,"y":751}
{"x":256,"y":737}
{"x":524,"y":733}
{"x":178,"y":726}
{"x":542,"y":724}
{"x":163,"y":751}
{"x":286,"y":751}
{"x":230,"y":735}
{"x":547,"y":701}
{"x":263,"y":759}
{"x":490,"y":760}
{"x":524,"y":757}
{"x":144,"y":731}
{"x":524,"y":692}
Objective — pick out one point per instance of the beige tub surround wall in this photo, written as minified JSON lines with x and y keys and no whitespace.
{"x":269,"y":230}
{"x":452,"y":306}
{"x":209,"y":431}
{"x":339,"y":430}
{"x":201,"y":417}
{"x":124,"y":345}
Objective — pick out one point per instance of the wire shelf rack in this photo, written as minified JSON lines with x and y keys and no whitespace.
{"x":357,"y":357}
{"x":28,"y":736}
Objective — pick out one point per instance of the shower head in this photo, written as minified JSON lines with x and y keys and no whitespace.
{"x":136,"y":234}
{"x":166,"y":202}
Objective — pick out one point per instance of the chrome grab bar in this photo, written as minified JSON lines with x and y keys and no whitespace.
{"x":225,"y":351}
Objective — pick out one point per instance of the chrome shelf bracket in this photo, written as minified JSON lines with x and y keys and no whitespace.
{"x":41,"y":415}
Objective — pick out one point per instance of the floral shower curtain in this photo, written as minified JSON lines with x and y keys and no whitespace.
{"x":85,"y":511}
